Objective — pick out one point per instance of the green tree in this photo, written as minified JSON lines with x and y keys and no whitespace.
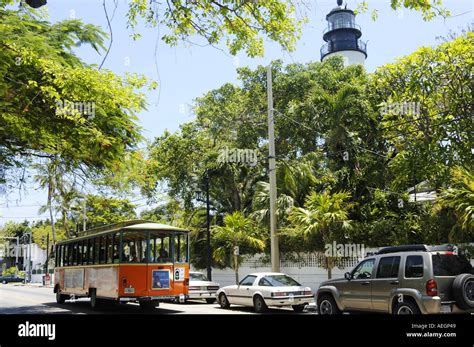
{"x":242,"y":23}
{"x":237,"y":231}
{"x":425,"y":112}
{"x":238,"y":23}
{"x":325,"y":214}
{"x":460,"y":197}
{"x":14,"y":229}
{"x":41,"y":79}
{"x":102,"y":210}
{"x":42,"y":231}
{"x":49,"y":177}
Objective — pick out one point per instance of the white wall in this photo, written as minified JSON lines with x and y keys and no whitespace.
{"x":307,"y":276}
{"x":350,"y":57}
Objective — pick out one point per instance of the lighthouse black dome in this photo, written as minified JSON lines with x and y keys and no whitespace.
{"x":342,"y":32}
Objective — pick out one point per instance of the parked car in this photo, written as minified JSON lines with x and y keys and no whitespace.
{"x":262,"y":290}
{"x":11,"y":278}
{"x":201,"y":288}
{"x":413,"y":279}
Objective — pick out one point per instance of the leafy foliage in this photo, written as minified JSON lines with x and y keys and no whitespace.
{"x":39,"y":74}
{"x":237,"y":231}
{"x":460,"y":197}
{"x":101,"y":210}
{"x":336,"y":131}
{"x":239,"y":23}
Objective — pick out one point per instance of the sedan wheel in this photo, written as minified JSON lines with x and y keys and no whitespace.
{"x":259,"y":304}
{"x":223,"y":301}
{"x":298,"y":308}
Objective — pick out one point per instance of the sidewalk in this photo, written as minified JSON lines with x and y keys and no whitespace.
{"x":35,"y":284}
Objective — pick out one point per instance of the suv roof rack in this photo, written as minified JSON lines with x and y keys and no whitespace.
{"x":404,"y":248}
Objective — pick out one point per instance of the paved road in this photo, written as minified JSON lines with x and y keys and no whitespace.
{"x":20,"y":299}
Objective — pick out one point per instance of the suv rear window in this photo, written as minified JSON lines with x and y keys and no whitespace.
{"x":450,"y":265}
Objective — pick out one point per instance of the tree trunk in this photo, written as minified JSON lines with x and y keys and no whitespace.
{"x":329,"y":267}
{"x":65,"y":224}
{"x":50,"y":198}
{"x":236,"y":269}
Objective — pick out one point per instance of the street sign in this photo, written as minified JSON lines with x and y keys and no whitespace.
{"x":236,"y":250}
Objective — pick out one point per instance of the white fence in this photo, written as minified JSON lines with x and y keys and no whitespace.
{"x":306,"y":269}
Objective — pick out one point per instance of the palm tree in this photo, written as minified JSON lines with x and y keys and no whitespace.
{"x":323,"y":213}
{"x":238,"y":231}
{"x":296,"y":179}
{"x":460,"y":197}
{"x":66,"y":196}
{"x":61,"y":193}
{"x":261,"y":203}
{"x":46,"y":176}
{"x":342,"y":114}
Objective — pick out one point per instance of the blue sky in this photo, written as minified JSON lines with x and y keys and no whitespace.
{"x":188,"y":71}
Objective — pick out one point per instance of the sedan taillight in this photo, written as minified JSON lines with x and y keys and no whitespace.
{"x":279,"y":294}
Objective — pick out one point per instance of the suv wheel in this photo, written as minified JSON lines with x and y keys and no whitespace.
{"x":463,"y":291}
{"x":406,"y":307}
{"x":259,"y":304}
{"x":327,"y":305}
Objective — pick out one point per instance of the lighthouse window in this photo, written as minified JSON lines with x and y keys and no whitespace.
{"x":341,"y":20}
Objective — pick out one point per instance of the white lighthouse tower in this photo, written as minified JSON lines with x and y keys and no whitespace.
{"x":342,"y":36}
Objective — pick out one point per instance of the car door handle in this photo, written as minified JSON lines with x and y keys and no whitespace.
{"x":365,"y":283}
{"x":247,"y":288}
{"x":395,"y":282}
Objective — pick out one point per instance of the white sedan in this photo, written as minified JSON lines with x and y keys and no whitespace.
{"x":264,"y":289}
{"x":201,"y":288}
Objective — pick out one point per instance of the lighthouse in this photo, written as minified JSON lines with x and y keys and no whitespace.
{"x":342,"y":36}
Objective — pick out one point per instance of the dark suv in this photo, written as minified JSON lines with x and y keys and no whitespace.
{"x":409,"y":279}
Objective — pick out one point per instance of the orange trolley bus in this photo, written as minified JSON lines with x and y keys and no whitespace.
{"x":133,"y":261}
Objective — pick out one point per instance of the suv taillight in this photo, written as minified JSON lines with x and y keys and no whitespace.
{"x":431,"y":288}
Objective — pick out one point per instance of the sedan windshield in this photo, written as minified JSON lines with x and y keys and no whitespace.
{"x":281,"y":281}
{"x":197,"y":277}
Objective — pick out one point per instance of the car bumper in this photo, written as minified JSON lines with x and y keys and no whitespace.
{"x":434,"y":305}
{"x":163,"y":298}
{"x":289,"y":301}
{"x":201,"y":295}
{"x":430,"y":304}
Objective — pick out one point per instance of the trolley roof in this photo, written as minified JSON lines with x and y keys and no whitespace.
{"x":126,"y":225}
